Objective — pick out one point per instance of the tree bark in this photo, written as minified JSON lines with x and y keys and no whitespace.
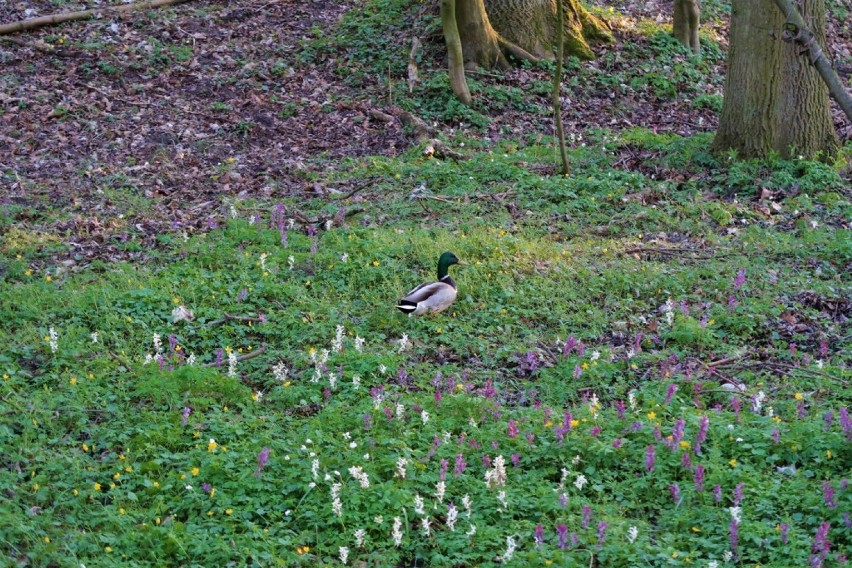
{"x":479,"y":40}
{"x":557,"y":86}
{"x":774,"y":100}
{"x":531,"y":24}
{"x":454,"y":50}
{"x":687,"y":15}
{"x":798,"y":31}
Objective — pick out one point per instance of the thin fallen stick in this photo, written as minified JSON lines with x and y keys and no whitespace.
{"x":241,"y":358}
{"x":54,"y":19}
{"x":229,"y":317}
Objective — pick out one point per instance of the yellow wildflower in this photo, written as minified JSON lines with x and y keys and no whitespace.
{"x":798,"y":396}
{"x":228,"y":511}
{"x":97,"y":486}
{"x":828,"y":454}
{"x":47,"y":539}
{"x":575,"y":423}
{"x":116,"y":476}
{"x":212,"y":445}
{"x":108,"y":549}
{"x":73,"y":380}
{"x":85,"y":447}
{"x":684,"y":444}
{"x":652,"y":415}
{"x":732,"y":463}
{"x":121,"y":511}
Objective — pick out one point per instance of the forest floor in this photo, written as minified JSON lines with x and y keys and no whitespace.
{"x":208,"y":211}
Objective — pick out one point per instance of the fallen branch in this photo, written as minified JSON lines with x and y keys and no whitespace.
{"x":241,"y":358}
{"x":229,"y":317}
{"x":669,"y":252}
{"x":55,"y":19}
{"x":39,"y":45}
{"x":797,"y":31}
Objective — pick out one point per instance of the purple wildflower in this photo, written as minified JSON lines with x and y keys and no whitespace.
{"x":823,"y":348}
{"x":574,"y":540}
{"x":792,"y":347}
{"x":539,"y":535}
{"x":220,"y":357}
{"x":686,"y":460}
{"x":570,"y":343}
{"x":740,"y":278}
{"x":829,"y":495}
{"x":595,"y":431}
{"x":563,"y":500}
{"x":670,"y":392}
{"x":488,"y":391}
{"x":800,"y":410}
{"x":677,"y":431}
{"x":530,"y":438}
{"x":717,"y":493}
{"x":650,"y":456}
{"x":516,"y":459}
{"x":581,"y":350}
{"x":737,"y":406}
{"x":438,"y":397}
{"x":388,"y":413}
{"x":734,"y":535}
{"x":562,"y":531}
{"x":703,"y":425}
{"x":486,"y":461}
{"x":578,"y":370}
{"x":445,"y":464}
{"x":262,"y":458}
{"x":776,"y":436}
{"x":587,"y":516}
{"x":617,"y":443}
{"x":184,"y":415}
{"x":531,"y":361}
{"x":513,"y":429}
{"x":738,"y":494}
{"x":367,"y":421}
{"x":846,"y":423}
{"x":847,"y":520}
{"x":698,"y":478}
{"x":674,"y":489}
{"x":732,"y":304}
{"x":785,"y":529}
{"x":821,"y":546}
{"x":312,"y":233}
{"x":241,"y":297}
{"x":684,"y":308}
{"x":206,"y":487}
{"x":460,"y":465}
{"x":619,"y":408}
{"x":602,"y":526}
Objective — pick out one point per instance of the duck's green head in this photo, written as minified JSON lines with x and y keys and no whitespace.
{"x":445,"y":261}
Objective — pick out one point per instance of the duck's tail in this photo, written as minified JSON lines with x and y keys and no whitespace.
{"x":406,"y":306}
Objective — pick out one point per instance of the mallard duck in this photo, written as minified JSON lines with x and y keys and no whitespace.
{"x":432,"y":297}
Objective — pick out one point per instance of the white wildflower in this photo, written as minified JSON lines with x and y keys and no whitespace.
{"x":291,"y":260}
{"x":344,"y":554}
{"x":94,"y":336}
{"x":263,"y":257}
{"x":353,"y":445}
{"x":253,"y":220}
{"x":379,"y":520}
{"x":501,"y":497}
{"x":418,"y":505}
{"x":232,"y":364}
{"x":471,"y":531}
{"x":631,"y":353}
{"x":344,"y":257}
{"x":580,"y":482}
{"x":148,"y":359}
{"x":291,"y":223}
{"x":383,"y":369}
{"x":396,"y":532}
{"x":757,"y":402}
{"x":735,"y":513}
{"x":472,"y":423}
{"x":446,"y":437}
{"x":496,"y":477}
{"x":632,"y":534}
{"x":510,"y":549}
{"x":595,"y":356}
{"x":360,"y":534}
{"x":712,"y":564}
{"x":181,"y":313}
{"x":467,"y":503}
{"x":336,"y":504}
{"x":158,"y":343}
{"x":401,"y":463}
{"x":668,"y":312}
{"x":257,"y":396}
{"x":425,"y":526}
{"x":770,"y":412}
{"x":317,"y":374}
{"x":359,"y":344}
{"x":324,"y":356}
{"x":631,"y":398}
{"x":337,"y":344}
{"x":452,"y":516}
{"x":356,"y":381}
{"x":232,"y":210}
{"x":280,"y":371}
{"x":357,"y":473}
{"x":332,"y":381}
{"x":424,"y":416}
{"x":440,"y":490}
{"x":191,"y":359}
{"x":575,"y":460}
{"x":404,"y":343}
{"x":727,"y":556}
{"x":400,"y":411}
{"x":315,"y":469}
{"x":328,"y":224}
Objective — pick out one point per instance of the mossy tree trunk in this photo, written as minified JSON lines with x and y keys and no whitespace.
{"x":531,"y":24}
{"x":687,"y":16}
{"x":774,"y":99}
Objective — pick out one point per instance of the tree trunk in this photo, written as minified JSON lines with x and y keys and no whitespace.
{"x":454,"y":50}
{"x":479,"y":40}
{"x":531,"y":24}
{"x":687,"y":15}
{"x":774,"y":99}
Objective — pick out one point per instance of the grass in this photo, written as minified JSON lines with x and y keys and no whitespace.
{"x":646,"y":364}
{"x":95,"y":445}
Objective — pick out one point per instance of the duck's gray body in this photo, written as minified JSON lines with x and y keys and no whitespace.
{"x":433,"y":297}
